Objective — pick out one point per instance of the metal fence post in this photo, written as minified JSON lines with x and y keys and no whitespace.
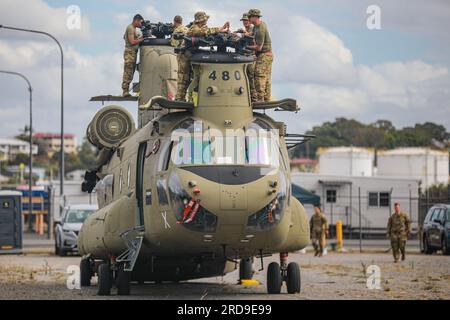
{"x":360,"y":227}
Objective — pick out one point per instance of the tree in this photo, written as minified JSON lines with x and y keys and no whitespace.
{"x":87,"y":153}
{"x":379,"y":135}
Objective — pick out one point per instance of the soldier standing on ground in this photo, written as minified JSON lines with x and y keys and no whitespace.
{"x":248,"y":31}
{"x":318,"y":228}
{"x":184,"y":66}
{"x":398,"y":230}
{"x":130,"y":54}
{"x":264,"y":56}
{"x":200,"y":29}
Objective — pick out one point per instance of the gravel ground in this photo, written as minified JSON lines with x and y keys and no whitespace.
{"x":335,"y":276}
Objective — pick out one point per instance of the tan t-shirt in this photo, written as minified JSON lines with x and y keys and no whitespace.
{"x":131,"y":30}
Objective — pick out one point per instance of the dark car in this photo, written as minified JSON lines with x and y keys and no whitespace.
{"x":435,"y":233}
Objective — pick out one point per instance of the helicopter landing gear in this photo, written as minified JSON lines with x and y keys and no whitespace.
{"x":246,"y":269}
{"x":110,"y":273}
{"x":105,"y":279}
{"x":85,"y":272}
{"x":277,"y":273}
{"x":123,"y":279}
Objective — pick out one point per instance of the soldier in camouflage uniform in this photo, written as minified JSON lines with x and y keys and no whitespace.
{"x":398,"y":230}
{"x":200,"y":29}
{"x":130,"y":54}
{"x":318,"y":229}
{"x":184,"y":65}
{"x":248,"y":31}
{"x":264,"y":56}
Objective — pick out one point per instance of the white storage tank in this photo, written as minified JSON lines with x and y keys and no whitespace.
{"x":346,"y":161}
{"x":430,"y":166}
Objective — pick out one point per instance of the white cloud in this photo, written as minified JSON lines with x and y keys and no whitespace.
{"x":152,"y":14}
{"x":314,"y":66}
{"x":309,"y":53}
{"x":40,"y":16}
{"x":85,"y":76}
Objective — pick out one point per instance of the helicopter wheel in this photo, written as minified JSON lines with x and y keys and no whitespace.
{"x":85,"y":273}
{"x":104,"y":279}
{"x":274,"y":279}
{"x":246,"y":269}
{"x":123,"y":280}
{"x":293,"y":278}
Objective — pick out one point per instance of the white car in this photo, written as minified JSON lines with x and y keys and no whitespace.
{"x":66,"y":231}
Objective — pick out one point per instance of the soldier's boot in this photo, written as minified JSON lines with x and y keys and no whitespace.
{"x":403,"y":255}
{"x":395,"y":257}
{"x":316,"y":251}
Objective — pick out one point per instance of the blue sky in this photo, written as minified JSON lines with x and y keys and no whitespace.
{"x":349,"y":25}
{"x":324,"y":56}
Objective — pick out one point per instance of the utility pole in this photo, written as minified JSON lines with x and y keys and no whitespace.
{"x":30,"y":140}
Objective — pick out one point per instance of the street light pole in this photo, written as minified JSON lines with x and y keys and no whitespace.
{"x":61,"y":163}
{"x":30,"y":161}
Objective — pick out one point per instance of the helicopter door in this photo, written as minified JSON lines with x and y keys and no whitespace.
{"x":139,"y":183}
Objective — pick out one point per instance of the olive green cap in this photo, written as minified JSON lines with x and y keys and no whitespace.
{"x":244,"y":17}
{"x":254,"y":13}
{"x":200,"y":16}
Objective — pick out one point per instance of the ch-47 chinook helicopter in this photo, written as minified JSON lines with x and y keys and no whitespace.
{"x":199,"y":186}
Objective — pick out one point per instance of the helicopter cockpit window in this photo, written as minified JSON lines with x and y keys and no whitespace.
{"x":257,"y":145}
{"x":162,"y":194}
{"x":109,"y":185}
{"x":120,"y":181}
{"x":100,"y":191}
{"x":129,"y":175}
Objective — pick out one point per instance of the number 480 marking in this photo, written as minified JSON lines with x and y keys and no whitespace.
{"x":225,"y":75}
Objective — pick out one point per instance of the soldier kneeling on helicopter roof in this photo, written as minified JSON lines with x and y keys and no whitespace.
{"x":132,"y":42}
{"x":198,"y":29}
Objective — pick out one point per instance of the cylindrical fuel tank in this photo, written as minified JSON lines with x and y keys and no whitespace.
{"x":158,"y":73}
{"x":100,"y":234}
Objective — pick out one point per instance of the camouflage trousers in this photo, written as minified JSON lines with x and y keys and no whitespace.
{"x":263,"y":76}
{"x":184,"y":75}
{"x":129,"y":57}
{"x":317,"y":241}
{"x":193,"y":86}
{"x":398,"y":244}
{"x":251,"y":80}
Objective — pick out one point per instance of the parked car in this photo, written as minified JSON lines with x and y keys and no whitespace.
{"x":66,"y":231}
{"x":435,"y":233}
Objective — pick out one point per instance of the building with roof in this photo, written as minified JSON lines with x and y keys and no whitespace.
{"x":347,"y":161}
{"x":428,"y":165}
{"x":345,"y":197}
{"x":10,"y":147}
{"x":50,"y":143}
